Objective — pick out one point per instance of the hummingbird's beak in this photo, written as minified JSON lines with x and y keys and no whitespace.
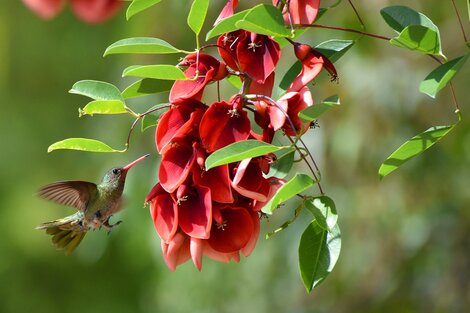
{"x":128,"y":166}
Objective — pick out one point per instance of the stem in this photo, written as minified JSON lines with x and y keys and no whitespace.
{"x":456,"y":104}
{"x":460,"y":21}
{"x":363,"y":26}
{"x":343,"y":29}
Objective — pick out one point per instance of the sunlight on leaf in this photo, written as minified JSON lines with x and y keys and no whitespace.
{"x":82,"y":144}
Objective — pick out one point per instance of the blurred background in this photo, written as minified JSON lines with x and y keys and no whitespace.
{"x":406,"y":239}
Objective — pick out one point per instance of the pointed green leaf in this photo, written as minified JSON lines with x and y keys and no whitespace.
{"x":281,"y":167}
{"x":151,"y":120}
{"x":138,"y":6}
{"x":440,"y":76}
{"x":96,"y":90}
{"x":240,"y":150}
{"x":323,"y":210}
{"x":197,"y":15}
{"x":160,"y":71}
{"x":399,"y":17}
{"x":226,"y":25}
{"x":419,"y":38}
{"x":143,"y":45}
{"x":145,"y":87}
{"x":318,"y":252}
{"x":335,"y":48}
{"x":264,"y":19}
{"x":82,"y":144}
{"x":103,"y":107}
{"x":413,"y":147}
{"x":298,"y":184}
{"x":313,"y":112}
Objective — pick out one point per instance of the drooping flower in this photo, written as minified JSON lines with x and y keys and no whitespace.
{"x":89,"y":11}
{"x":296,"y":101}
{"x":227,"y":10}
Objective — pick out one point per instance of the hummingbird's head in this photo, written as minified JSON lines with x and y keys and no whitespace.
{"x":116,"y":176}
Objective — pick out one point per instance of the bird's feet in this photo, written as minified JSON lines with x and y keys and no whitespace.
{"x":109,"y":227}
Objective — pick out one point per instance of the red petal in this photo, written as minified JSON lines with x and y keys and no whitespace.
{"x":175,"y":165}
{"x":195,"y":212}
{"x":217,"y":180}
{"x":46,"y":9}
{"x":227,"y":47}
{"x":296,"y":102}
{"x":190,"y":89}
{"x":252,"y":50}
{"x":95,"y":11}
{"x":164,"y":214}
{"x":302,"y":11}
{"x":227,"y":11}
{"x":176,"y":251}
{"x":249,"y":181}
{"x":222,"y":125}
{"x":196,"y":247}
{"x":248,"y":248}
{"x":234,"y":233}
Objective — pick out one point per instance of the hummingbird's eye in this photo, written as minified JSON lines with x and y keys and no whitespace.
{"x":116,"y":171}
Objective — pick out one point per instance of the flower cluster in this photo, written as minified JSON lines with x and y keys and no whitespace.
{"x":89,"y":11}
{"x":215,"y":212}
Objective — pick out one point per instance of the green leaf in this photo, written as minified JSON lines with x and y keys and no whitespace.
{"x":227,"y":25}
{"x":335,"y":48}
{"x":413,"y":147}
{"x":160,"y":71}
{"x":283,"y":164}
{"x":440,"y":76}
{"x":264,"y":19}
{"x":419,"y":38}
{"x":82,"y":144}
{"x":96,"y":90}
{"x":399,"y":17}
{"x":144,"y":45}
{"x":313,"y":112}
{"x":318,"y":252}
{"x":289,"y":77}
{"x":240,"y":150}
{"x":103,"y":107}
{"x":146,"y":86}
{"x":138,"y":6}
{"x":151,"y":120}
{"x":298,"y":183}
{"x":324,"y":210}
{"x":197,"y":15}
{"x":235,"y":81}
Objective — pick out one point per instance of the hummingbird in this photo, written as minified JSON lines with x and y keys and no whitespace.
{"x":95,"y":205}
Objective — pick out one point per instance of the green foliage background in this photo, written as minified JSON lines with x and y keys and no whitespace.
{"x":406,"y":240}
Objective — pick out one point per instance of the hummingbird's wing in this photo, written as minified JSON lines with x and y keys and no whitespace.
{"x":72,"y":193}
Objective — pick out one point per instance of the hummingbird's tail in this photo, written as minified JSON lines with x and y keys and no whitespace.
{"x":67,"y":232}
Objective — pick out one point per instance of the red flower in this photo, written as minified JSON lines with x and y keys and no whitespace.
{"x":296,"y":102}
{"x":222,"y":124}
{"x":195,"y":210}
{"x":249,"y":180}
{"x":90,"y":11}
{"x":164,"y":212}
{"x":217,"y":180}
{"x":227,"y":11}
{"x":301,"y":11}
{"x":208,"y":69}
{"x":312,"y":63}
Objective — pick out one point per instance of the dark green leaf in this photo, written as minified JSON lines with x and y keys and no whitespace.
{"x":103,"y":107}
{"x":298,"y":183}
{"x":143,"y":45}
{"x":96,"y":90}
{"x":419,"y":38}
{"x":439,"y":77}
{"x":146,"y":86}
{"x":138,"y":6}
{"x":313,"y":112}
{"x":335,"y":48}
{"x":399,"y":17}
{"x":283,"y":164}
{"x":197,"y":15}
{"x":264,"y":19}
{"x":413,"y":147}
{"x":160,"y":71}
{"x":318,"y":252}
{"x":82,"y":144}
{"x":324,"y":210}
{"x":240,"y":150}
{"x":226,"y":25}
